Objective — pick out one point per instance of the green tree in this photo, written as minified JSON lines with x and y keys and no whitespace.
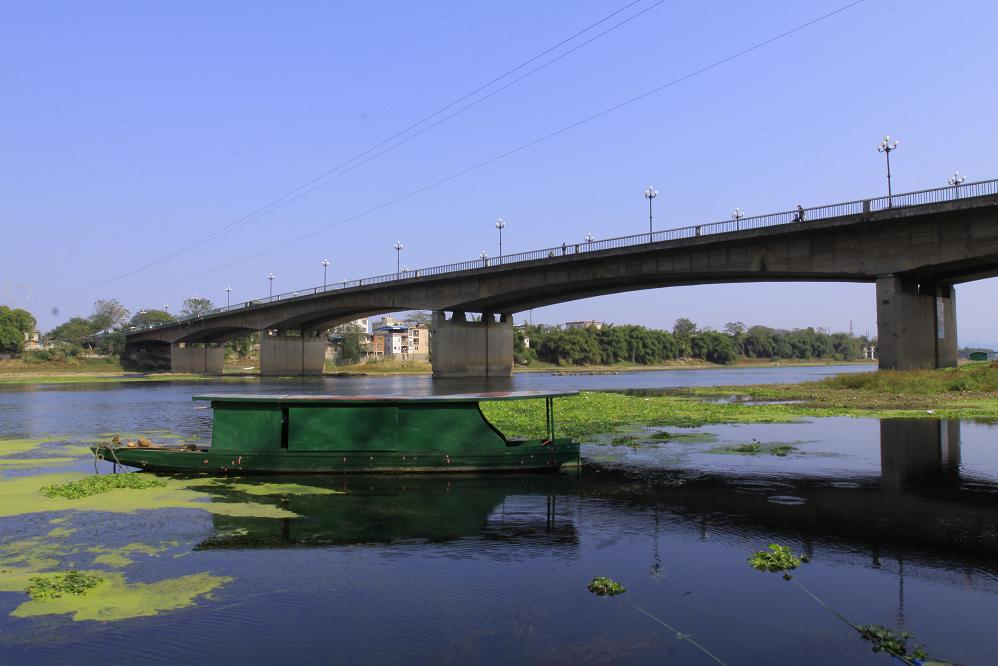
{"x":145,"y":317}
{"x":111,"y":344}
{"x":107,"y":314}
{"x":77,"y":331}
{"x":684,"y":328}
{"x":242,"y":345}
{"x":195,"y":305}
{"x":351,"y":342}
{"x":15,"y":326}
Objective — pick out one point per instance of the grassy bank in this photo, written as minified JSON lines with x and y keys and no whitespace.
{"x":382,"y":367}
{"x":70,"y":365}
{"x":969,"y":391}
{"x":681,"y":364}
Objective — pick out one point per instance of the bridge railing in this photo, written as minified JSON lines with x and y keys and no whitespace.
{"x":907,"y":199}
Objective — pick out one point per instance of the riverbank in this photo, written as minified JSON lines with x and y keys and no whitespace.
{"x":968,"y":392}
{"x":106,"y":370}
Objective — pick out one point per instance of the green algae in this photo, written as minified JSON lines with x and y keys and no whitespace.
{"x":264,"y":489}
{"x":9,"y":447}
{"x":60,"y":532}
{"x":119,"y":558}
{"x":116,"y":599}
{"x":20,"y":496}
{"x":28,"y":463}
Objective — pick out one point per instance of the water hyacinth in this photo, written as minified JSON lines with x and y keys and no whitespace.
{"x":93,"y":485}
{"x":602,"y":586}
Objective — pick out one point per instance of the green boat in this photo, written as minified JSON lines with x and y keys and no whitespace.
{"x":320,"y":433}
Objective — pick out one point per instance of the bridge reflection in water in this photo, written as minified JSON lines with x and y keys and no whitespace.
{"x":920,"y":502}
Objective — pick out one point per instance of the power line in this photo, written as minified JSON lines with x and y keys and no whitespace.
{"x":288,"y":197}
{"x":522,"y":147}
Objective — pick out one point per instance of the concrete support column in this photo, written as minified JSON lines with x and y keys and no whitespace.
{"x":462,"y":348}
{"x":916,"y":324}
{"x":292,"y":353}
{"x":206,"y":358}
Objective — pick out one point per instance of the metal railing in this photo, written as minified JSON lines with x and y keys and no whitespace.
{"x":904,"y":200}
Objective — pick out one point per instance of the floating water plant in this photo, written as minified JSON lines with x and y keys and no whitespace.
{"x":607,"y":587}
{"x":782,"y":559}
{"x":778,"y":558}
{"x":53,"y":587}
{"x":886,"y":640}
{"x":94,"y":485}
{"x":602,"y":586}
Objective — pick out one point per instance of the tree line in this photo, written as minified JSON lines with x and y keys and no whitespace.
{"x":103,"y":331}
{"x":638,"y":345}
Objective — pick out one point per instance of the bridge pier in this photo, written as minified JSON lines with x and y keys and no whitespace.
{"x":916,"y":324}
{"x":292,"y":352}
{"x":197,"y":358}
{"x":462,"y":348}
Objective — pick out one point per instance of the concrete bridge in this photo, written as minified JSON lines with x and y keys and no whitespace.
{"x":915,"y":247}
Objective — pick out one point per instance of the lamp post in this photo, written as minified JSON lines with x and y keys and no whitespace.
{"x":270,"y":277}
{"x":228,"y":290}
{"x":325,"y":265}
{"x":500,"y":225}
{"x":484,"y":256}
{"x":886,"y":147}
{"x":737,"y":216}
{"x":956,"y":180}
{"x":166,"y":308}
{"x":650,"y":194}
{"x":398,"y":255}
{"x":590,"y":238}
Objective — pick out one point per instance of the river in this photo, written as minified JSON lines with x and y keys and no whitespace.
{"x":898,"y":519}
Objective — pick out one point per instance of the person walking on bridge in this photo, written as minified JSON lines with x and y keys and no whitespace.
{"x":800,"y":214}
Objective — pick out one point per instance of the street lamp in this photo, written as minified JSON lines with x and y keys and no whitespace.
{"x":650,"y":194}
{"x":737,"y":216}
{"x":270,"y":277}
{"x":590,"y":238}
{"x":886,"y":147}
{"x":228,"y":290}
{"x":956,"y":180}
{"x":500,"y":225}
{"x":325,"y":265}
{"x":484,"y":256}
{"x":398,"y":254}
{"x":166,"y":308}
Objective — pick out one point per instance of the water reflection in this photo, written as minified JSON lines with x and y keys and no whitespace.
{"x":919,"y":452}
{"x":409,"y":510}
{"x":918,"y":504}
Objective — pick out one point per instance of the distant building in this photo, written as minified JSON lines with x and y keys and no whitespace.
{"x":403,"y":341}
{"x":32,"y":341}
{"x":584,"y":324}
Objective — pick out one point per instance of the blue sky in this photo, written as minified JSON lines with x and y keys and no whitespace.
{"x":130,"y":131}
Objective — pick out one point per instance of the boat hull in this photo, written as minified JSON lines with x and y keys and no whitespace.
{"x":527,"y":456}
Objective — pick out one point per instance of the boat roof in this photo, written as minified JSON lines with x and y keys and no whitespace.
{"x":383,"y":399}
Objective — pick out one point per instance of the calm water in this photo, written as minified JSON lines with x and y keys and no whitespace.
{"x":900,"y":519}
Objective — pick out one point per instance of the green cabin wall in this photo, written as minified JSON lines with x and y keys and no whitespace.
{"x":246,"y":427}
{"x":418,"y":427}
